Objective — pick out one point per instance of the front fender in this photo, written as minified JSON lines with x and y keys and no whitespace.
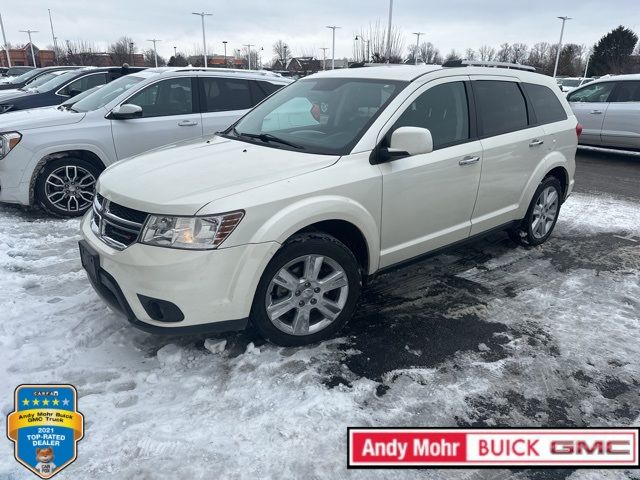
{"x":301,"y":214}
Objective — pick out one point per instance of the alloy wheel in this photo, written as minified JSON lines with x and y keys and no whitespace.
{"x":70,"y":188}
{"x":544,"y":212}
{"x":307,"y":294}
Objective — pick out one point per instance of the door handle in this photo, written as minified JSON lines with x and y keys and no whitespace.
{"x":187,"y":123}
{"x":596,"y":112}
{"x":535,"y":142}
{"x":468,"y":160}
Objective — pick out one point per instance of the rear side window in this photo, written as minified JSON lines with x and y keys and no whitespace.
{"x":226,"y":94}
{"x":626,"y":92}
{"x":443,"y":110}
{"x":545,"y":103}
{"x":501,"y":107}
{"x":593,"y":93}
{"x":164,"y":98}
{"x":269,"y":88}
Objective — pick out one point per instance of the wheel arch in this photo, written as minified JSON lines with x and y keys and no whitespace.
{"x":89,"y":155}
{"x":554,"y":164}
{"x":348,"y":221}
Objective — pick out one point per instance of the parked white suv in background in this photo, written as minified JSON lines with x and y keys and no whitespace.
{"x":53,"y":156}
{"x":336,"y":177}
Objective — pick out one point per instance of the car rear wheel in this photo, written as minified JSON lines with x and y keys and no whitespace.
{"x":308,"y":291}
{"x":66,"y":186}
{"x":542,"y":215}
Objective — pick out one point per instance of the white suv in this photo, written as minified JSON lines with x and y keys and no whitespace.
{"x":340,"y":175}
{"x":53,"y":156}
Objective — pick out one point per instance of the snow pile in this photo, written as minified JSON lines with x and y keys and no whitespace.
{"x":562,"y":347}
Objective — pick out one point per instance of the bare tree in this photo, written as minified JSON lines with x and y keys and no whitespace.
{"x":487,"y":53}
{"x":377,"y":37}
{"x":429,"y":53}
{"x":470,"y":54}
{"x":504,"y":54}
{"x":79,"y":52}
{"x":452,"y":55}
{"x":539,"y":56}
{"x":282,"y":52}
{"x":122,"y":50}
{"x":150,"y":60}
{"x":519,"y":52}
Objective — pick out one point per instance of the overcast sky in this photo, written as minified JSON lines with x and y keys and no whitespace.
{"x":449,"y":24}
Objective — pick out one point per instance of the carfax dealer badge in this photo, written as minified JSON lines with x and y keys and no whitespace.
{"x":45,"y":427}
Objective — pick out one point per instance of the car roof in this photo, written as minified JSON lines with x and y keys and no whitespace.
{"x":411,"y":73}
{"x":630,"y":76}
{"x":264,"y":75}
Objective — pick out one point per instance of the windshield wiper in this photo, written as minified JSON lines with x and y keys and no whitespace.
{"x":267,"y":137}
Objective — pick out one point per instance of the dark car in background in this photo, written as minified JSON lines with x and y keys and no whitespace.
{"x":19,"y":70}
{"x":63,"y":87}
{"x":32,"y":75}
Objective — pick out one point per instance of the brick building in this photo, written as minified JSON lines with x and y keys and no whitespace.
{"x":22,"y":57}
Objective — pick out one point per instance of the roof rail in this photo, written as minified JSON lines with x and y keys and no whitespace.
{"x":481,"y":63}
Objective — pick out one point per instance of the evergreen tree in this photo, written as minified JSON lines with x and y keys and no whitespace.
{"x":611,"y":53}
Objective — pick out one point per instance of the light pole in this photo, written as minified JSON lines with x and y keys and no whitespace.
{"x":248,"y":45}
{"x":33,"y":55}
{"x":224,"y":42}
{"x":417,"y":34}
{"x":175,"y":52}
{"x":555,"y":69}
{"x":155,"y":52}
{"x":131,"y":53}
{"x":586,"y":67}
{"x":4,"y":39}
{"x":366,"y":42}
{"x":333,"y":46}
{"x":324,"y":57}
{"x":55,"y":39}
{"x":204,"y":40}
{"x":389,"y":31}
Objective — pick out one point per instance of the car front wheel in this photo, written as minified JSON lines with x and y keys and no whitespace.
{"x":66,"y":186}
{"x":308,"y":291}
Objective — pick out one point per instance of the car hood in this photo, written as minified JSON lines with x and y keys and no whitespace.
{"x":10,"y":92}
{"x":22,"y":120}
{"x":181,"y":180}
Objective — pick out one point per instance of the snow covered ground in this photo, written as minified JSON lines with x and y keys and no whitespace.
{"x":487,"y":334}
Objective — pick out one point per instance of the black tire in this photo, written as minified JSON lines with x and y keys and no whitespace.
{"x":524,"y":233}
{"x":300,"y":245}
{"x":74,"y":203}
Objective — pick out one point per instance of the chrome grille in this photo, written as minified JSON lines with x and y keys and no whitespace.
{"x":116,"y":225}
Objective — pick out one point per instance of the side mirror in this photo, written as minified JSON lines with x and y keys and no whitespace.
{"x":406,"y":142}
{"x":126,"y":112}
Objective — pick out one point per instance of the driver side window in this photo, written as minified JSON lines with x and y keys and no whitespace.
{"x":594,"y":93}
{"x":165,"y":98}
{"x":443,"y":110}
{"x":85,"y":83}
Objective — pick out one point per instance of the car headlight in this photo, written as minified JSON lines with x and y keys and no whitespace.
{"x":193,"y":233}
{"x":5,"y":107}
{"x":8,"y":141}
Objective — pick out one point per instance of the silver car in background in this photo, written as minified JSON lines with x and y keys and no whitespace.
{"x":609,"y":111}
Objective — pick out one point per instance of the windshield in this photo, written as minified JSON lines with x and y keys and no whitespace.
{"x":24,"y":77}
{"x":80,"y":96}
{"x":105,"y":94}
{"x":41,"y":80}
{"x":317,"y":115}
{"x":58,"y":81}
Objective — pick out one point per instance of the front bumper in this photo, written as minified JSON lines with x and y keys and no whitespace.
{"x":12,"y":171}
{"x":212,"y":289}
